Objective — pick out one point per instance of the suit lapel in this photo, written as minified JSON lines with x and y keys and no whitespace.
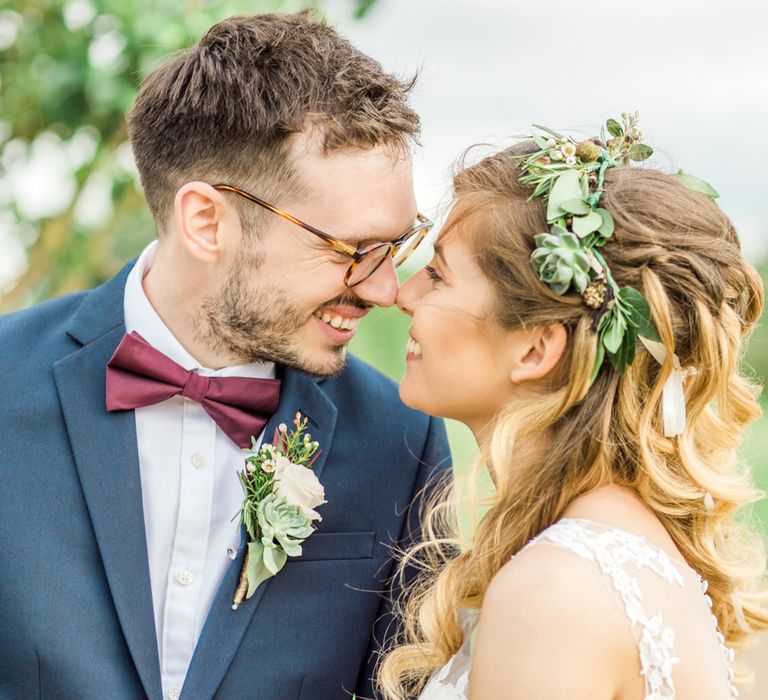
{"x":225,"y":628}
{"x":105,"y":451}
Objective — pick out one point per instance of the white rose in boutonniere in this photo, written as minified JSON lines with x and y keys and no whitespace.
{"x":281,"y":491}
{"x":299,"y":486}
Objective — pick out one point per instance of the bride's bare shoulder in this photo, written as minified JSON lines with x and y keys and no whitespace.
{"x":545,"y":576}
{"x":548,"y":608}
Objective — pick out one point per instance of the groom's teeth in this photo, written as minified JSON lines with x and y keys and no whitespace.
{"x":339,"y":322}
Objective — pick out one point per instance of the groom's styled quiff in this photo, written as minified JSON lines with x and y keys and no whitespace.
{"x":225,"y":109}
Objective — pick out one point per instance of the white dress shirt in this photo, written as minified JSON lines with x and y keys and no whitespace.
{"x":190,"y":492}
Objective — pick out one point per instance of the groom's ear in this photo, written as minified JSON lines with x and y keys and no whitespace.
{"x":537,"y":352}
{"x":205,"y":221}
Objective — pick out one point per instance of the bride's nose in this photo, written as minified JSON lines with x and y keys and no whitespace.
{"x":411,"y":291}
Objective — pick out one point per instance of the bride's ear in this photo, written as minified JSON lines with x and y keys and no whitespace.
{"x":536,"y":352}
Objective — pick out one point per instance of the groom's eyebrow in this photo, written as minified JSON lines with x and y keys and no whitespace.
{"x":360,"y":243}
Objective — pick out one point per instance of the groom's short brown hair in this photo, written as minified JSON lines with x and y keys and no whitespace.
{"x":224,"y":109}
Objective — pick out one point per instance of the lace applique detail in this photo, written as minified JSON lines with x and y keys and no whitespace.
{"x":451,"y":682}
{"x":446,"y":685}
{"x":657,"y":658}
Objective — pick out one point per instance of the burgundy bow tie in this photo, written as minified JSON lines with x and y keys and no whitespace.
{"x":138,"y":375}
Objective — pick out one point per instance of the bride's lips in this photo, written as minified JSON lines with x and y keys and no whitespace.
{"x":339,"y":323}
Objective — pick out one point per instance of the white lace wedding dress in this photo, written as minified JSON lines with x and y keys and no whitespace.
{"x":631,"y":567}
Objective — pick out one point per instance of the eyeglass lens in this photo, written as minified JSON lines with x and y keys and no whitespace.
{"x":367,"y":265}
{"x":371,"y":262}
{"x":407,"y":247}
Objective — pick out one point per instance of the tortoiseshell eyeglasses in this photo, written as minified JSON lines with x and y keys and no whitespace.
{"x":365,"y":261}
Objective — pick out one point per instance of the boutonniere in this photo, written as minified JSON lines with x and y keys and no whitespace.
{"x":281,"y":493}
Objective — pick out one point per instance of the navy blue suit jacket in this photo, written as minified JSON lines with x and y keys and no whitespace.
{"x":76,"y":617}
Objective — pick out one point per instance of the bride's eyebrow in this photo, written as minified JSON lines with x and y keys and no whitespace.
{"x":441,"y":255}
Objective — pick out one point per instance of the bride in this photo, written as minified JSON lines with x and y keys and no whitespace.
{"x":598,"y":367}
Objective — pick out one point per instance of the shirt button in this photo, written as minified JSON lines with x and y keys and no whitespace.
{"x":185,"y":577}
{"x":198,"y":460}
{"x":174,"y":694}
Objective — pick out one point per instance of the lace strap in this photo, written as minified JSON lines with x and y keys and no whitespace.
{"x":612,"y":551}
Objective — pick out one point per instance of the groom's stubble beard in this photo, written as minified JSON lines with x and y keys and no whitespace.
{"x":259,"y":324}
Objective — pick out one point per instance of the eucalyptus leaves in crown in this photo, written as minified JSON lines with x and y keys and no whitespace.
{"x":570,"y":176}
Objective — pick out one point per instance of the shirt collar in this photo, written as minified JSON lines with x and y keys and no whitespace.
{"x":140,"y":316}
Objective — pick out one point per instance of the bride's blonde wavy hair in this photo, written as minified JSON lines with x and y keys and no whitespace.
{"x":683,"y":254}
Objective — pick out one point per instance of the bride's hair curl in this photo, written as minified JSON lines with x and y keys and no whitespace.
{"x":680,"y":250}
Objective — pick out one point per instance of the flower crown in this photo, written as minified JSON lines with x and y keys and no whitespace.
{"x":569,"y":175}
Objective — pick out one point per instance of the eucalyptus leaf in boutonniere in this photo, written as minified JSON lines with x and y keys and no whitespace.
{"x":281,"y":493}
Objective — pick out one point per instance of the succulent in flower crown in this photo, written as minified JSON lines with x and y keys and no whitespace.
{"x":561,"y":260}
{"x":570,"y":176}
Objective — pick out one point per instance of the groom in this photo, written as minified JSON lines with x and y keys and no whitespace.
{"x":275,"y":159}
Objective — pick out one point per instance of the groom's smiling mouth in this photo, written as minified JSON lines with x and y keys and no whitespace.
{"x":340,"y":322}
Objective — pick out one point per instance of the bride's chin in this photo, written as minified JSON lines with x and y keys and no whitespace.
{"x":410,"y":395}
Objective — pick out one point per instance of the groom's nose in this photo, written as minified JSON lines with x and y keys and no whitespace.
{"x":381,"y":287}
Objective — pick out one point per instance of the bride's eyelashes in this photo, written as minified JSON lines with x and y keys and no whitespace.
{"x":432,"y":274}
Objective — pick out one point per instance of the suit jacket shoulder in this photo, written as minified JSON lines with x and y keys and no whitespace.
{"x":52,"y":329}
{"x":38,"y":330}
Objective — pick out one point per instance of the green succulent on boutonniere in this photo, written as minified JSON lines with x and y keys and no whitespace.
{"x":283,"y":528}
{"x":281,"y":493}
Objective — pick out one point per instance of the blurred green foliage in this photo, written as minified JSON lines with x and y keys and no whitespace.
{"x":69,"y":71}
